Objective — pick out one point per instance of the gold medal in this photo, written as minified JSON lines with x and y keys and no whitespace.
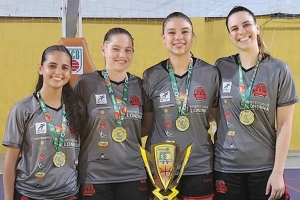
{"x":119,"y":134}
{"x":246,"y":117}
{"x":182,"y":123}
{"x":59,"y":159}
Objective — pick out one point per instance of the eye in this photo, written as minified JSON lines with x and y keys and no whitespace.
{"x":233,"y":29}
{"x":186,"y":31}
{"x":171,"y":32}
{"x":66,"y":68}
{"x":115,"y":49}
{"x":129,"y":50}
{"x":51,"y":66}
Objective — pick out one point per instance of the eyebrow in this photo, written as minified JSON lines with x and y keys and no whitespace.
{"x":236,"y":25}
{"x":115,"y":45}
{"x":171,"y":29}
{"x":51,"y":63}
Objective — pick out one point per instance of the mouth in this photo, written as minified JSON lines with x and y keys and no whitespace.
{"x":243,"y":39}
{"x":57,"y":78}
{"x":121,"y":61}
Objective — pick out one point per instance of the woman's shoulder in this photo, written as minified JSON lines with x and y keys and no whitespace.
{"x":157,"y":68}
{"x":224,"y":60}
{"x":29,"y":104}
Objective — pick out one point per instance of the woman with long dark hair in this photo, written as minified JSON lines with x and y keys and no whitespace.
{"x":42,"y":133}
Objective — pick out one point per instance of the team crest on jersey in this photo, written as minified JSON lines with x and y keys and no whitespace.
{"x":135,"y":101}
{"x":164,"y":97}
{"x":200,"y":94}
{"x":260,"y":90}
{"x":101,"y":98}
{"x":226,"y":87}
{"x":40,"y":128}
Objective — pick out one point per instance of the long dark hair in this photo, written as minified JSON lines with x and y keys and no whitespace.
{"x":260,"y":42}
{"x":73,"y":107}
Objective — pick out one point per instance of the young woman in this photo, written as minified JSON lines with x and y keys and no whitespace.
{"x":256,"y":109}
{"x":180,"y":94}
{"x":110,"y":163}
{"x":41,"y":136}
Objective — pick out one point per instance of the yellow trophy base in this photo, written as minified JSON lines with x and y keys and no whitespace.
{"x":171,"y":196}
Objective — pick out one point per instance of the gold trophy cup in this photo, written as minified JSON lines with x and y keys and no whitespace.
{"x":165,"y":158}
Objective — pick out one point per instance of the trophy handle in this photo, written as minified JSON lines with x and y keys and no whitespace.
{"x":145,"y":156}
{"x":185,"y":154}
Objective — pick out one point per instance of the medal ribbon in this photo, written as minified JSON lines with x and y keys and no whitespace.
{"x":119,"y":112}
{"x":245,"y":95}
{"x":58,"y":143}
{"x":181,"y":103}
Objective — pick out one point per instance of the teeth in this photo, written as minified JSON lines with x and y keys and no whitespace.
{"x":244,"y":39}
{"x":58,"y":79}
{"x":121,"y":61}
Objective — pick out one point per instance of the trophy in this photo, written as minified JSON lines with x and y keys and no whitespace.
{"x":165,"y":158}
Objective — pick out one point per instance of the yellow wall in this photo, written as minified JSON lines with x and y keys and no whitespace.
{"x":23,"y":40}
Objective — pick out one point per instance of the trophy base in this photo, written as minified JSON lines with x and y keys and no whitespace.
{"x":165,"y":195}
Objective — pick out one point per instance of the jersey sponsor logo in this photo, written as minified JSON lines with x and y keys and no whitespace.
{"x":133,"y":115}
{"x":231,"y":134}
{"x":135,"y":101}
{"x":40,"y":166}
{"x":164,"y":97}
{"x":229,"y":125}
{"x":42,"y":156}
{"x":42,"y":145}
{"x":197,"y":109}
{"x":168,"y":124}
{"x":102,"y":125}
{"x":259,"y":106}
{"x":228,"y":115}
{"x":101,"y":98}
{"x":167,"y":105}
{"x":40,"y":128}
{"x":200,"y":93}
{"x":71,"y":143}
{"x":166,"y":113}
{"x":226,"y":87}
{"x":102,"y":144}
{"x":103,"y":135}
{"x":42,"y":138}
{"x":103,"y":158}
{"x":260,"y":90}
{"x":169,"y":134}
{"x":40,"y":175}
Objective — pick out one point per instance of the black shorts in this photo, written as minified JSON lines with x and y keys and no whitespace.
{"x":134,"y":190}
{"x":243,"y":186}
{"x":199,"y":186}
{"x":18,"y":196}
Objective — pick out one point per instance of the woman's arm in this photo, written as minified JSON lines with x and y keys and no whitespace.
{"x":146,"y":123}
{"x":284,"y":133}
{"x":9,"y":171}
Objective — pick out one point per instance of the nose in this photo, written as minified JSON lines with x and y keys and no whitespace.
{"x":241,"y":30}
{"x":58,"y":70}
{"x":178,"y":35}
{"x":122,"y":53}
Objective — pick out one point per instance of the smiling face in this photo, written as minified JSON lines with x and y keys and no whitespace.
{"x":243,"y":30}
{"x":118,"y":52}
{"x":178,"y":36}
{"x":56,"y":69}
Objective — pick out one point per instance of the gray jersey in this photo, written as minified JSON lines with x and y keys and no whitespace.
{"x":102,"y":160}
{"x":240,"y":148}
{"x":203,"y":95}
{"x":37,"y":177}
